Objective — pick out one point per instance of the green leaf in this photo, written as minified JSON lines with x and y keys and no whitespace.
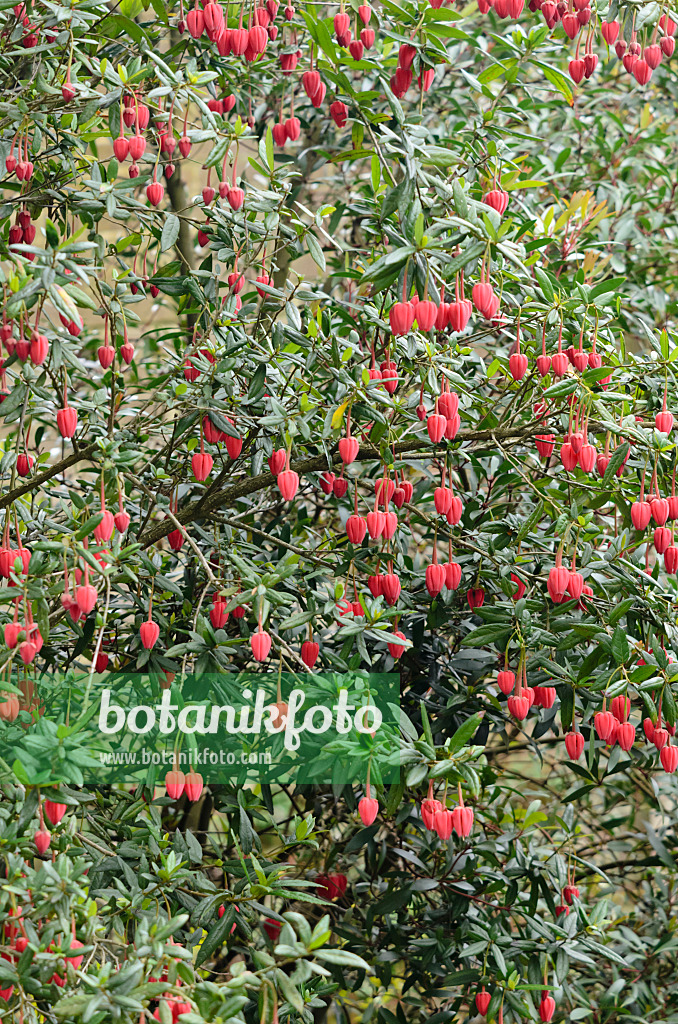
{"x":321,"y":35}
{"x":42,"y":617}
{"x":490,"y":73}
{"x":73,"y":1006}
{"x":170,"y":232}
{"x":20,"y":772}
{"x":89,"y":526}
{"x":566,"y":694}
{"x":343,"y":958}
{"x":290,"y":991}
{"x":247,"y":833}
{"x":270,"y":160}
{"x":620,"y":646}
{"x":160,"y":10}
{"x":217,"y":936}
{"x":465,"y":732}
{"x":616,"y":460}
{"x":217,"y":154}
{"x":613,"y":284}
{"x":492,"y":633}
{"x":669,"y":710}
{"x":659,"y":848}
{"x":128,"y":242}
{"x":664,"y":343}
{"x":257,"y":383}
{"x":648,"y":704}
{"x":621,"y":609}
{"x":223,"y":424}
{"x":394,"y":260}
{"x":562,"y":388}
{"x":321,"y":933}
{"x":393,"y":102}
{"x":467,"y":976}
{"x":438,"y":156}
{"x":530,"y":522}
{"x":131,"y":8}
{"x":51,"y":233}
{"x":544,"y":284}
{"x":375,"y":172}
{"x":14,"y":400}
{"x":557,"y":79}
{"x":315,"y":250}
{"x":460,"y":203}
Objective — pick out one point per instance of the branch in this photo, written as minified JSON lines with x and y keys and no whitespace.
{"x":218,"y":500}
{"x":37,"y":481}
{"x":175,"y":522}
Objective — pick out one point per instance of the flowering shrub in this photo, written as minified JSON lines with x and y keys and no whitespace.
{"x":342,"y":339}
